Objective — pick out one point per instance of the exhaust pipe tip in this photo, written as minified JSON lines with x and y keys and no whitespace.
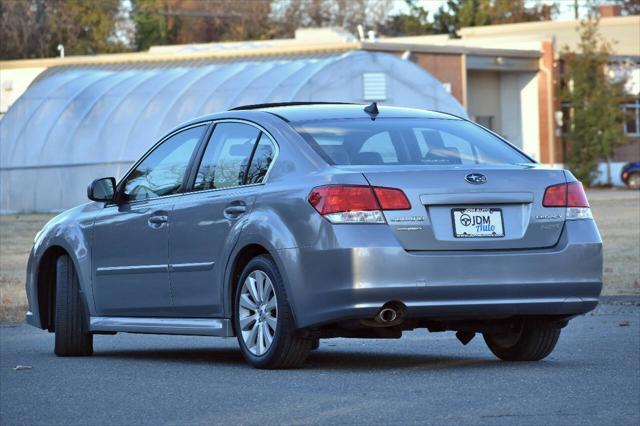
{"x":390,"y":314}
{"x":387,"y":315}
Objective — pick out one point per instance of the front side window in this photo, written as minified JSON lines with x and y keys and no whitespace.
{"x":406,"y":141}
{"x":162,"y":172}
{"x":227,"y":156}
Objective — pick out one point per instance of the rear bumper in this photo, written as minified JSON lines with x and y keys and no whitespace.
{"x":331,"y":284}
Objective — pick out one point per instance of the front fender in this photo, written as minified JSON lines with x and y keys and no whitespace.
{"x":70,"y":233}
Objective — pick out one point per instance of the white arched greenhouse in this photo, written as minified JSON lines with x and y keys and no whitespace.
{"x":76,"y":123}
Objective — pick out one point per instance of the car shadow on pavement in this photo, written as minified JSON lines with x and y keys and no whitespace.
{"x":327,"y":360}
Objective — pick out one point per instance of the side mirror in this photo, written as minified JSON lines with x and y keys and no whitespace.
{"x":102,"y":189}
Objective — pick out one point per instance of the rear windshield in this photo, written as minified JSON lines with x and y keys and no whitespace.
{"x":402,"y":141}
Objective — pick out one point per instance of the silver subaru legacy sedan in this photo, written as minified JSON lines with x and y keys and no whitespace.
{"x":284,"y":224}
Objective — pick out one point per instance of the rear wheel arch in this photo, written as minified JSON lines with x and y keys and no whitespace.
{"x":243,"y":256}
{"x":240,"y":260}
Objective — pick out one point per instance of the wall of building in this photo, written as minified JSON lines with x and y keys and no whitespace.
{"x":530,"y":114}
{"x":519,"y":111}
{"x":550,"y":136}
{"x":13,"y":83}
{"x":483,"y":98}
{"x":510,"y":99}
{"x":629,"y":152}
{"x":448,"y":69}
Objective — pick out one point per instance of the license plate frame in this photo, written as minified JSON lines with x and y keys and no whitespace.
{"x":493,"y":213}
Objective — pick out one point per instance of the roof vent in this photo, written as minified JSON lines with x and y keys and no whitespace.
{"x":374,"y":86}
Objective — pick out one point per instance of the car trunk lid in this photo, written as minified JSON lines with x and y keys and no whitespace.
{"x":440,"y":196}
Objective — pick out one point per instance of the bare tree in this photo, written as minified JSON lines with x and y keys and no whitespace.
{"x":347,"y":14}
{"x":34,"y":28}
{"x":23,"y":29}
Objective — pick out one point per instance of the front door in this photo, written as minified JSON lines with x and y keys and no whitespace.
{"x":130,"y":239}
{"x":207,"y":221}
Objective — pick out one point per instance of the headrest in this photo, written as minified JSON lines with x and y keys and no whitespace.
{"x":367,"y":158}
{"x":443,"y":156}
{"x":433,"y":138}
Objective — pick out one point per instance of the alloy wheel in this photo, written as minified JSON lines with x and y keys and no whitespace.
{"x":258,"y":312}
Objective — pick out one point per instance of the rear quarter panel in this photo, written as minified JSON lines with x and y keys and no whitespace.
{"x":281,"y":218}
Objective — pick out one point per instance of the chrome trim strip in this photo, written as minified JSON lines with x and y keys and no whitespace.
{"x":477,"y":198}
{"x":144,"y":269}
{"x":205,"y":191}
{"x":134,"y":269}
{"x":190,"y":267}
{"x":191,"y":326}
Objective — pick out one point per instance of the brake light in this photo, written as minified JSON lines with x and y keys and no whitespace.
{"x":356,"y":203}
{"x":392,"y":199}
{"x":555,"y":196}
{"x":338,"y":199}
{"x":565,"y":195}
{"x":576,"y":196}
{"x":570,"y":195}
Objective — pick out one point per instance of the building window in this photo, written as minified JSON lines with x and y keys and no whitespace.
{"x":632,"y":120}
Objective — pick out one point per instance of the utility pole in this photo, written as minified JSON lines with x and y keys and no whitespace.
{"x":575,"y":10}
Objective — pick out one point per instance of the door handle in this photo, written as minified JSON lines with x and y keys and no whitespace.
{"x":235,"y":209}
{"x":158,"y":221}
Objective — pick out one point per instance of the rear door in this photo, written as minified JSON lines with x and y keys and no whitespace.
{"x":207,"y":221}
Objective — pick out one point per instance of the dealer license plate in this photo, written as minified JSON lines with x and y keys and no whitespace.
{"x":477,"y":223}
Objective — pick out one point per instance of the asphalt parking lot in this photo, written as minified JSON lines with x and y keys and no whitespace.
{"x":593,"y":377}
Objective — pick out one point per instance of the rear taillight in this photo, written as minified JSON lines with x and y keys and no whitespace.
{"x":555,"y":196}
{"x":570,"y":195}
{"x":355,"y":203}
{"x":576,"y":196}
{"x":392,"y":199}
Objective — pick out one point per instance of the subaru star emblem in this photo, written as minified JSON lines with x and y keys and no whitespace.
{"x":475,"y":178}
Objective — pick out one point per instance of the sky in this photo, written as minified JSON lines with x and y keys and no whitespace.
{"x":565,"y":7}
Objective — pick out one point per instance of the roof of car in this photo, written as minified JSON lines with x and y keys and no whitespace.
{"x":306,"y":111}
{"x":294,"y":112}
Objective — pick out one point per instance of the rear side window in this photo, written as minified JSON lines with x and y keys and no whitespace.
{"x":237,"y":154}
{"x":403,"y":141}
{"x":261,"y":160}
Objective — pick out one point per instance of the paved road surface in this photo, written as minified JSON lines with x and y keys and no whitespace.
{"x":591,"y":378}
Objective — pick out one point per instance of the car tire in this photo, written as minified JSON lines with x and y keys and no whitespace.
{"x":71,"y":319}
{"x":316,"y":344}
{"x":528,"y":340}
{"x":287,"y":348}
{"x":633,"y":181}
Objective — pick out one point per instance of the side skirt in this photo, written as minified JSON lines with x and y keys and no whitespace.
{"x":187,"y":326}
